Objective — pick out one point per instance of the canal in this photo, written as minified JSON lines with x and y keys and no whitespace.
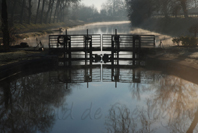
{"x":135,"y":99}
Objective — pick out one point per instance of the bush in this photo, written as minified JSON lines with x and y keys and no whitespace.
{"x":186,"y":41}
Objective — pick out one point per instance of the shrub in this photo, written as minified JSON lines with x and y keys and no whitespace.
{"x":186,"y":41}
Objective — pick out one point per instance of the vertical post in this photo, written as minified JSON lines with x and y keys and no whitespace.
{"x":86,"y":69}
{"x":133,"y":58}
{"x":65,"y":45}
{"x":117,"y":45}
{"x":49,"y":43}
{"x":133,"y":75}
{"x":139,"y":48}
{"x":69,"y":52}
{"x":154,"y":41}
{"x":112,"y":58}
{"x":86,"y":48}
{"x":90,"y":50}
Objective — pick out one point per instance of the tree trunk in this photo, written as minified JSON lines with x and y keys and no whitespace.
{"x":12,"y":12}
{"x":4,"y":26}
{"x":57,"y":4}
{"x":48,"y":11}
{"x":37,"y":11}
{"x":30,"y":11}
{"x":22,"y":11}
{"x":43,"y":6}
{"x":184,"y":8}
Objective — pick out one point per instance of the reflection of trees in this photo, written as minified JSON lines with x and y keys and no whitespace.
{"x":177,"y":100}
{"x":146,"y":80}
{"x":174,"y":101}
{"x":122,"y":120}
{"x":26,"y":105}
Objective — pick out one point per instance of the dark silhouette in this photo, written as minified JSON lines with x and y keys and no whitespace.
{"x":4,"y":25}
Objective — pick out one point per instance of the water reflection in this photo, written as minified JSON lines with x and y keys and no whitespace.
{"x":144,"y":101}
{"x":172,"y":107}
{"x":27,"y":103}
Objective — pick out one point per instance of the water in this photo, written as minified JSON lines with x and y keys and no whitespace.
{"x":90,"y":99}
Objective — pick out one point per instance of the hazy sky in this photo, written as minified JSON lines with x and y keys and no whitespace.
{"x":96,"y":3}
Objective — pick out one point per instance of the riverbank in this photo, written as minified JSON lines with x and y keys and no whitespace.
{"x":33,"y":30}
{"x":170,"y":26}
{"x":21,"y":31}
{"x":178,"y":61}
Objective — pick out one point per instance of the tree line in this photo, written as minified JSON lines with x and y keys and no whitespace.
{"x":37,"y":11}
{"x":52,"y":11}
{"x":110,"y":10}
{"x":140,"y":10}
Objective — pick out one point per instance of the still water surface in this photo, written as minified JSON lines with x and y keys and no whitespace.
{"x":67,"y":100}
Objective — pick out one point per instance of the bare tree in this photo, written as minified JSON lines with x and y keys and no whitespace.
{"x":4,"y":26}
{"x":37,"y":12}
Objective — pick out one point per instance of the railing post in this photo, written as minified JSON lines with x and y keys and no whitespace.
{"x":65,"y":45}
{"x":133,"y":58}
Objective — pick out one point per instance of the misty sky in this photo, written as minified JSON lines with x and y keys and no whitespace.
{"x":96,"y":3}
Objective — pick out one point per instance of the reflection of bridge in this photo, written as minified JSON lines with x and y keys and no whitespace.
{"x":100,"y":73}
{"x":69,"y":45}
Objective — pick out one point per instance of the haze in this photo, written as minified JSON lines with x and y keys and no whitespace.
{"x":96,"y":3}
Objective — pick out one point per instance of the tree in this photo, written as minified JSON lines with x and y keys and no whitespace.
{"x":4,"y":26}
{"x":37,"y":12}
{"x":29,"y":11}
{"x":139,"y":10}
{"x":22,"y":11}
{"x":114,"y":9}
{"x":42,"y":11}
{"x":184,"y":7}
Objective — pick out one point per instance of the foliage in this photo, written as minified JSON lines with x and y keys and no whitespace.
{"x":141,"y":10}
{"x":194,"y":29}
{"x":114,"y":9}
{"x":186,"y":41}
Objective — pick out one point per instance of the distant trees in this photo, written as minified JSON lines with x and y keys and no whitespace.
{"x":37,"y":11}
{"x":86,"y":13}
{"x":52,"y":11}
{"x":114,"y":9}
{"x":111,"y":10}
{"x":139,"y":10}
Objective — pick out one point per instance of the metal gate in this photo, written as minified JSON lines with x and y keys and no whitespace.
{"x":89,"y":43}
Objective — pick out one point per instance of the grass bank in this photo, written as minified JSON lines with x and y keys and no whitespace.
{"x":20,"y":31}
{"x":170,"y":26}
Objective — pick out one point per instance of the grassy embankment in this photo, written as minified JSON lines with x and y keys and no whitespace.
{"x":20,"y":31}
{"x":175,"y":27}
